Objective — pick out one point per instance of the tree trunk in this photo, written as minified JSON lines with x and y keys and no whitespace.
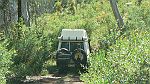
{"x":28,"y":12}
{"x":19,"y":10}
{"x":116,"y":13}
{"x":51,"y":5}
{"x":6,"y":15}
{"x":25,"y":12}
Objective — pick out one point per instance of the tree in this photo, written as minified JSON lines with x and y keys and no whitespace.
{"x":116,"y":13}
{"x":19,"y":10}
{"x":25,"y":12}
{"x":6,"y":15}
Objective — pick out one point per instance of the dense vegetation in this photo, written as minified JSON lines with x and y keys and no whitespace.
{"x":5,"y":62}
{"x":119,"y":56}
{"x":127,"y":60}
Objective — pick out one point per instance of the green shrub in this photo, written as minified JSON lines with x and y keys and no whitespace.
{"x":127,"y":59}
{"x":33,"y":48}
{"x":126,"y":62}
{"x":5,"y":62}
{"x":34,"y":45}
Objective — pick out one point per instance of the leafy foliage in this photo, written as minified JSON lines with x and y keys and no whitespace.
{"x":127,"y":60}
{"x":121,"y":58}
{"x":32,"y":47}
{"x":5,"y":62}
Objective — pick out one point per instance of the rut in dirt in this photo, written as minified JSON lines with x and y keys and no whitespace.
{"x":70,"y":77}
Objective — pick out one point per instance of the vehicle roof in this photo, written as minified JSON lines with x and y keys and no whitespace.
{"x":73,"y":34}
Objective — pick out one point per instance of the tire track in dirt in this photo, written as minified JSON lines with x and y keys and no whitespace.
{"x":54,"y":79}
{"x":71,"y":76}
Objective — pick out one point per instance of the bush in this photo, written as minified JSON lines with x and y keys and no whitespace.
{"x":126,"y":62}
{"x":5,"y":62}
{"x":34,"y":45}
{"x":127,"y":59}
{"x":33,"y":49}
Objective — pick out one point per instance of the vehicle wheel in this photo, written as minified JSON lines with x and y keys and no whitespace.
{"x":80,"y":59}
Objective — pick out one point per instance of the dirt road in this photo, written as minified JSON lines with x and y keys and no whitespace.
{"x":70,"y":77}
{"x":54,"y":79}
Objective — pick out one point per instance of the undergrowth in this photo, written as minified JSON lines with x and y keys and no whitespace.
{"x":121,"y":60}
{"x":127,"y":60}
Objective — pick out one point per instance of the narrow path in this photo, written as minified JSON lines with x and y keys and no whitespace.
{"x":71,"y":77}
{"x":54,"y":79}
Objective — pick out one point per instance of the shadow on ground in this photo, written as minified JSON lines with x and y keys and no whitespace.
{"x":70,"y":77}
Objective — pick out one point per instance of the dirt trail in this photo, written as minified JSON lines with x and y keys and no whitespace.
{"x":54,"y":79}
{"x":71,"y":76}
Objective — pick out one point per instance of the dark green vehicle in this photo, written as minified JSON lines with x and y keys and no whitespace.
{"x":73,"y":49}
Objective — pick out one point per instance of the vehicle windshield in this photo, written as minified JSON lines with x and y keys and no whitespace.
{"x":72,"y":45}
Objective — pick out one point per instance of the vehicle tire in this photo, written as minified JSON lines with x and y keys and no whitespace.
{"x":80,"y":58}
